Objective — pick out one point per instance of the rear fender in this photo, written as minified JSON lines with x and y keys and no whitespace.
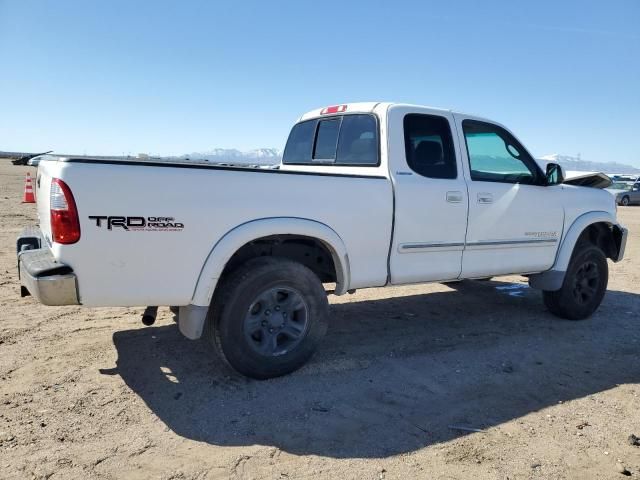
{"x":233,"y":240}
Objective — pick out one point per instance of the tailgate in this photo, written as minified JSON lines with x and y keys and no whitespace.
{"x":46,"y":171}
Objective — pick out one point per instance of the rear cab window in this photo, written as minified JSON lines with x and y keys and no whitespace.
{"x":347,"y":140}
{"x":326,"y":140}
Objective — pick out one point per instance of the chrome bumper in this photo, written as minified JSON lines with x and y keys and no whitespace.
{"x":50,"y":282}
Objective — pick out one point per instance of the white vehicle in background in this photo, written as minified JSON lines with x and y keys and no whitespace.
{"x":35,"y":161}
{"x":367,"y":195}
{"x":627,"y":178}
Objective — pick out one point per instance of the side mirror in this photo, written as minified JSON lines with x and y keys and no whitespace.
{"x":555,"y":174}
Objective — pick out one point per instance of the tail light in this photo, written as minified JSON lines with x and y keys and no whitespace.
{"x":65,"y":224}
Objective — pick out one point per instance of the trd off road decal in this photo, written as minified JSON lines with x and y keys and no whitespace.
{"x":147,"y":224}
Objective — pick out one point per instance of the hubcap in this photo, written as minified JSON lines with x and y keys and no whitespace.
{"x":276,"y":322}
{"x":586,"y":282}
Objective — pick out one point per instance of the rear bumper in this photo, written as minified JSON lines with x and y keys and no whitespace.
{"x":50,"y":282}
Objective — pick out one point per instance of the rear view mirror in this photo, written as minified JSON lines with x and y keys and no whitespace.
{"x":555,"y":174}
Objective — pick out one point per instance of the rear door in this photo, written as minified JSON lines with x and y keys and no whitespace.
{"x":430,"y":196}
{"x":515,"y":221}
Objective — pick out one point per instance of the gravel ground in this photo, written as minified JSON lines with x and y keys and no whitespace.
{"x":90,"y":393}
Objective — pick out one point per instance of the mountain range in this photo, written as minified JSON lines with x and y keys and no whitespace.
{"x":271,"y":156}
{"x":570,"y":163}
{"x":259,"y":156}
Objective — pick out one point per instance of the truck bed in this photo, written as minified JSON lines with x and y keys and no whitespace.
{"x":160,"y":263}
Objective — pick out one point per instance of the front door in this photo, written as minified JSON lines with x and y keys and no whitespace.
{"x":430,"y":196}
{"x":515,"y":221}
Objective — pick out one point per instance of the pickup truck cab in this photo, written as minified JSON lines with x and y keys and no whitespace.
{"x":366,"y":195}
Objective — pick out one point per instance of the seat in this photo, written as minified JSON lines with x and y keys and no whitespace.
{"x":428,"y":160}
{"x":362,"y":151}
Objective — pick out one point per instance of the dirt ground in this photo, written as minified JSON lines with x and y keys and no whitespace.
{"x":91,"y":393}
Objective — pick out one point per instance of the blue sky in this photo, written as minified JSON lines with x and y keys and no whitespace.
{"x":170,"y":77}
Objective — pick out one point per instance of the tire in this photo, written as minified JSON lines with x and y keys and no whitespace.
{"x":268,"y":317}
{"x":584,"y":285}
{"x":625,"y":201}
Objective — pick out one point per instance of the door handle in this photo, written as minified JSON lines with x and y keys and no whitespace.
{"x":454,"y":197}
{"x":485,"y":198}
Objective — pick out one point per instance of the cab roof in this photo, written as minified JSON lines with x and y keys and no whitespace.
{"x":366,"y":107}
{"x":358,"y":107}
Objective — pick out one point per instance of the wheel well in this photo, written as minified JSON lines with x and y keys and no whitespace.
{"x":600,"y":234}
{"x":308,"y":251}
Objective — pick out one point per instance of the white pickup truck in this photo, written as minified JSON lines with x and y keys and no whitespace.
{"x":367,"y":195}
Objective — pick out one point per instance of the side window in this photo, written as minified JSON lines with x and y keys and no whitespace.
{"x":429,"y":146}
{"x":338,"y":140}
{"x":496,"y":156}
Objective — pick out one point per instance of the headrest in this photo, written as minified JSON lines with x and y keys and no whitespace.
{"x":428,"y":152}
{"x":361,"y":146}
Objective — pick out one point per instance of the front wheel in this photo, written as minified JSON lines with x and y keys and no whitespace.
{"x":268,"y":317}
{"x":584,"y":285}
{"x":625,"y":201}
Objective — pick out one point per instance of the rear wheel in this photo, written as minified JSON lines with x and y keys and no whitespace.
{"x":584,"y":285}
{"x":268,"y":317}
{"x":625,"y":201}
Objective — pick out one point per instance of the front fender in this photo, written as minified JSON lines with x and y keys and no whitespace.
{"x":236,"y":238}
{"x":573,"y":233}
{"x":552,"y":279}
